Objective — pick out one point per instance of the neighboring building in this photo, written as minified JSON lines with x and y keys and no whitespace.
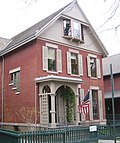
{"x":115,"y":61}
{"x":3,"y":43}
{"x":49,"y":68}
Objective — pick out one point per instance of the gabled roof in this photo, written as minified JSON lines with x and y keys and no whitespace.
{"x":34,"y":31}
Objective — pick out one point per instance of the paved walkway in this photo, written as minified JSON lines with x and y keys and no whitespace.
{"x":108,"y":141}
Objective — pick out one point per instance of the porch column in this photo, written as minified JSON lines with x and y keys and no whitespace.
{"x":53,"y":110}
{"x":77,"y":110}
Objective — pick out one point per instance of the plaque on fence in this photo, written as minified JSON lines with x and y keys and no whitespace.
{"x":92,"y":128}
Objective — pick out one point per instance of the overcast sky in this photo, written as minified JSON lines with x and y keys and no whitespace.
{"x":18,"y":15}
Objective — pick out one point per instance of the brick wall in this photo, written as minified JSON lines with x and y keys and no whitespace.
{"x":29,"y":59}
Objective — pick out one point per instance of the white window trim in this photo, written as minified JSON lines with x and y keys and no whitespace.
{"x":99,"y":102}
{"x":14,"y":70}
{"x":58,"y":68}
{"x":72,"y":35}
{"x":51,"y":45}
{"x":74,"y":51}
{"x":11,"y":84}
{"x":80,"y":63}
{"x":94,"y":87}
{"x":14,"y":88}
{"x":17,"y":93}
{"x":93,"y":56}
{"x":98,"y":70}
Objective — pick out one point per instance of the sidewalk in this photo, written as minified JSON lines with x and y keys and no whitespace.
{"x":107,"y":141}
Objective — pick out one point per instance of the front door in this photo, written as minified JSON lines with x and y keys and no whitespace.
{"x":65,"y":105}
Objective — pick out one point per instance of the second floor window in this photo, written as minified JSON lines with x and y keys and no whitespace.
{"x":52,"y":58}
{"x":74,"y":63}
{"x":93,"y":67}
{"x":93,"y":64}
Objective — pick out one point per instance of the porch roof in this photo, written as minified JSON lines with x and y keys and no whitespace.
{"x":58,"y":78}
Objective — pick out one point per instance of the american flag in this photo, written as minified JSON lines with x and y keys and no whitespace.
{"x":84,"y":106}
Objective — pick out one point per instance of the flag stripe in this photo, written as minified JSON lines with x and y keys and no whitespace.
{"x":84,"y":107}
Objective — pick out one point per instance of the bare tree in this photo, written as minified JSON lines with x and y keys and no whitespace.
{"x":27,"y":116}
{"x":29,"y":2}
{"x":113,"y":13}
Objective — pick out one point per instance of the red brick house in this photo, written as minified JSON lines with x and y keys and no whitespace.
{"x":114,"y":60}
{"x":49,"y":68}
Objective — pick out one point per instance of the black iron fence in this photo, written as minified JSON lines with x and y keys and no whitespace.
{"x":65,"y":135}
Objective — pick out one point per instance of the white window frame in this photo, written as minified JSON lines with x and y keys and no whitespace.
{"x":80,"y":62}
{"x":98,"y":68}
{"x":72,"y":30}
{"x":58,"y":58}
{"x":14,"y":71}
{"x":100,"y":103}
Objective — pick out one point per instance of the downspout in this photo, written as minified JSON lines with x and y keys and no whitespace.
{"x":35,"y":105}
{"x":3,"y":89}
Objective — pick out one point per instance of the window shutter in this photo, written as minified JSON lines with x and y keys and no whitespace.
{"x":45,"y":58}
{"x":81,"y":98}
{"x":59,"y":60}
{"x":91,"y":106}
{"x":100,"y":104}
{"x":98,"y":68}
{"x":80,"y":62}
{"x":68,"y":62}
{"x":18,"y":80}
{"x":88,"y":66}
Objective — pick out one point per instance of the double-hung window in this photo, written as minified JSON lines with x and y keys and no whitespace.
{"x":15,"y":79}
{"x":93,"y":67}
{"x":73,"y":29}
{"x":74,"y":63}
{"x":93,"y":64}
{"x":76,"y":29}
{"x":67,"y":27}
{"x":96,"y":103}
{"x":52,"y":58}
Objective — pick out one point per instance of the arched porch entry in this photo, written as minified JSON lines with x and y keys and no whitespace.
{"x":65,"y":105}
{"x":59,"y":100}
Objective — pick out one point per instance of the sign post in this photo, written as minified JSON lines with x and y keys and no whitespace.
{"x":113,"y":108}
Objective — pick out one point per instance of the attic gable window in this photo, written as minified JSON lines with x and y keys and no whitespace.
{"x":73,"y":29}
{"x":76,"y":29}
{"x":67,"y":27}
